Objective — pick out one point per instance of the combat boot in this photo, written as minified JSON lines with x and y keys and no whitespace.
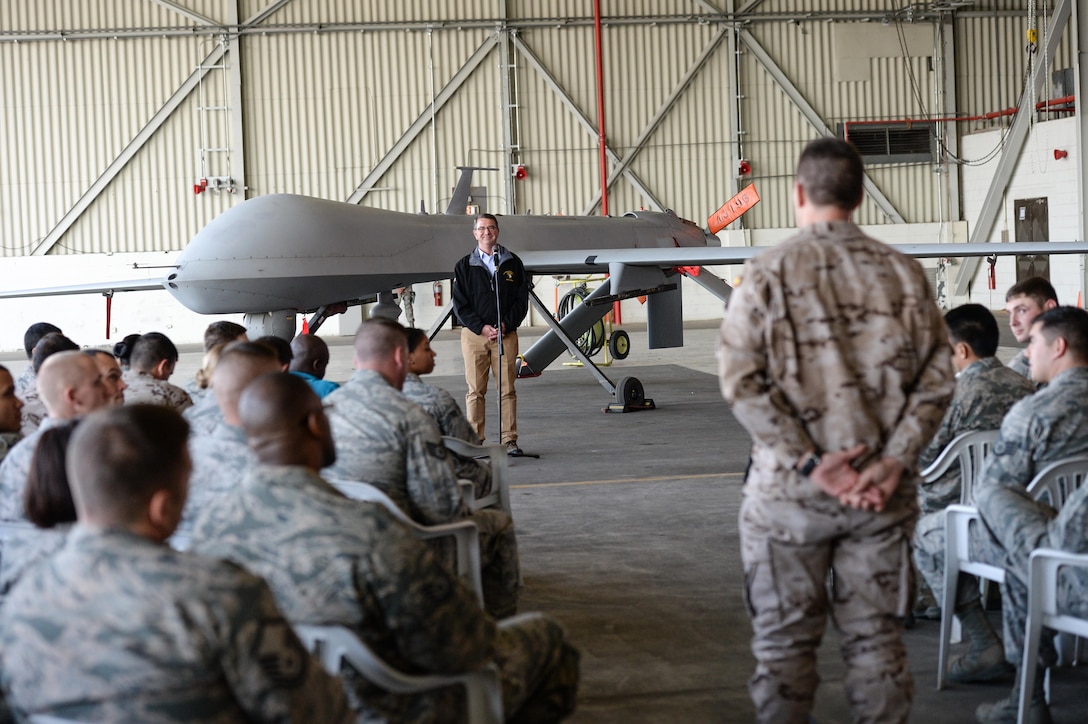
{"x":1005,"y":711}
{"x":985,"y":659}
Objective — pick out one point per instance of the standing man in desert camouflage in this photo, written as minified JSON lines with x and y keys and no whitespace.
{"x":835,"y":358}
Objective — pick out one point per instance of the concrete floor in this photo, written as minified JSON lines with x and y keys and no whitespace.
{"x":627,"y":532}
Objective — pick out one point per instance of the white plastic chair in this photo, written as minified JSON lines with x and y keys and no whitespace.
{"x":464,"y":532}
{"x":970,"y":449}
{"x":336,"y":644}
{"x":1046,"y":564}
{"x":1054,"y":483}
{"x":497,"y":459}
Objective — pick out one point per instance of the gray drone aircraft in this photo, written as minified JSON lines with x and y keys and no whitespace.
{"x":289,"y":254}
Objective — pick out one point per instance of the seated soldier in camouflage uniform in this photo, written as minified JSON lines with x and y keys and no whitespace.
{"x":1050,"y":425}
{"x":71,"y":386}
{"x":118,"y":627}
{"x":31,"y":337}
{"x":332,"y":560}
{"x":112,"y":377}
{"x":985,"y":391}
{"x":47,"y":503}
{"x":148,"y":376}
{"x":1025,"y":301}
{"x":10,"y":413}
{"x":204,"y":415}
{"x":33,"y":407}
{"x":217,"y":333}
{"x":440,"y":405}
{"x":220,"y":455}
{"x":385,"y":439}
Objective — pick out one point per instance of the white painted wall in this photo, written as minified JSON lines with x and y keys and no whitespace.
{"x":1038,"y":174}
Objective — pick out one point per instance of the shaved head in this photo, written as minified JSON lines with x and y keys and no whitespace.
{"x":281,"y":412}
{"x":70,"y":385}
{"x":240,"y":364}
{"x":119,"y":458}
{"x":311,"y":355}
{"x":382,"y":345}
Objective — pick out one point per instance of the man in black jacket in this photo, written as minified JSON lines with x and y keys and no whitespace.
{"x":489,"y":281}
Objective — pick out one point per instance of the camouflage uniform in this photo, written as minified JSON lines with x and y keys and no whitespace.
{"x":24,"y":549}
{"x":440,"y":405}
{"x":204,"y":415}
{"x":385,"y":439}
{"x":221,"y":459}
{"x":331,"y":560}
{"x":832,"y":340}
{"x":985,"y":390}
{"x":28,"y":380}
{"x":33,"y":411}
{"x":145,"y":389}
{"x":1020,"y":364}
{"x":8,"y":440}
{"x":115,"y":627}
{"x":1050,"y":425}
{"x":13,"y":472}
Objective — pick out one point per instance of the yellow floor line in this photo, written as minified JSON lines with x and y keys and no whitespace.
{"x":629,"y":480}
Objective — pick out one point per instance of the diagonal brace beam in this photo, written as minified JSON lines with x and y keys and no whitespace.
{"x":813,"y":117}
{"x":581,"y":117}
{"x":659,"y":116}
{"x":448,"y":91}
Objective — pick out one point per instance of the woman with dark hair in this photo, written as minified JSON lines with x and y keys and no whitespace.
{"x":440,"y":405}
{"x":123,"y":350}
{"x":47,"y":502}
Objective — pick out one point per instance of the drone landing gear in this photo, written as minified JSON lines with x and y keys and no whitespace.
{"x":630,"y":397}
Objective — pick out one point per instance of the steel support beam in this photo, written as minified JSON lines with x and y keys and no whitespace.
{"x":662,"y":112}
{"x":813,"y":117}
{"x":586,"y":124}
{"x":417,"y":127}
{"x":509,"y":83}
{"x":1014,"y":146}
{"x":237,"y":109}
{"x":150,"y":128}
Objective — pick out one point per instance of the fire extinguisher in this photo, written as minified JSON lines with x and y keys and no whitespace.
{"x":991,"y":276}
{"x":437,"y":288}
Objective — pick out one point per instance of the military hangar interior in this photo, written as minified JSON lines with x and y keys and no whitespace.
{"x":129,"y":126}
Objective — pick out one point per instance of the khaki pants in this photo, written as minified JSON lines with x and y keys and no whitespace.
{"x":481,"y":358}
{"x":788,"y":548}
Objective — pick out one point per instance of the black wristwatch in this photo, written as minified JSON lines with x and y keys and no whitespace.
{"x":809,"y":464}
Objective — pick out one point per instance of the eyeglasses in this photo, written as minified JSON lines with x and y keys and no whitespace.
{"x":486,"y":228}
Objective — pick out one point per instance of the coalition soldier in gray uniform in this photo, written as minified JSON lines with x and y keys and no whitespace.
{"x":118,"y":627}
{"x":1050,"y":425}
{"x":331,"y":560}
{"x":148,"y":377}
{"x":221,"y":456}
{"x":985,"y":391}
{"x":71,"y":386}
{"x":217,"y":333}
{"x":10,"y":413}
{"x":440,"y":405}
{"x":385,"y":439}
{"x":835,"y":358}
{"x":1025,"y":301}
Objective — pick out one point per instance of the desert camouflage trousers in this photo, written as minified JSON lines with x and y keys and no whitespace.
{"x":804,"y":559}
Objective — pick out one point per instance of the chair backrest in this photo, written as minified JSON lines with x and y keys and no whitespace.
{"x":365,"y":491}
{"x":336,"y":644}
{"x":969,"y":449}
{"x":497,"y":459}
{"x":1057,"y":481}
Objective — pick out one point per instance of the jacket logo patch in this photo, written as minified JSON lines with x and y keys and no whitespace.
{"x":508,"y":275}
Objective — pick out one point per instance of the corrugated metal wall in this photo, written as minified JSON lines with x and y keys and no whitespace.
{"x":330,"y":87}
